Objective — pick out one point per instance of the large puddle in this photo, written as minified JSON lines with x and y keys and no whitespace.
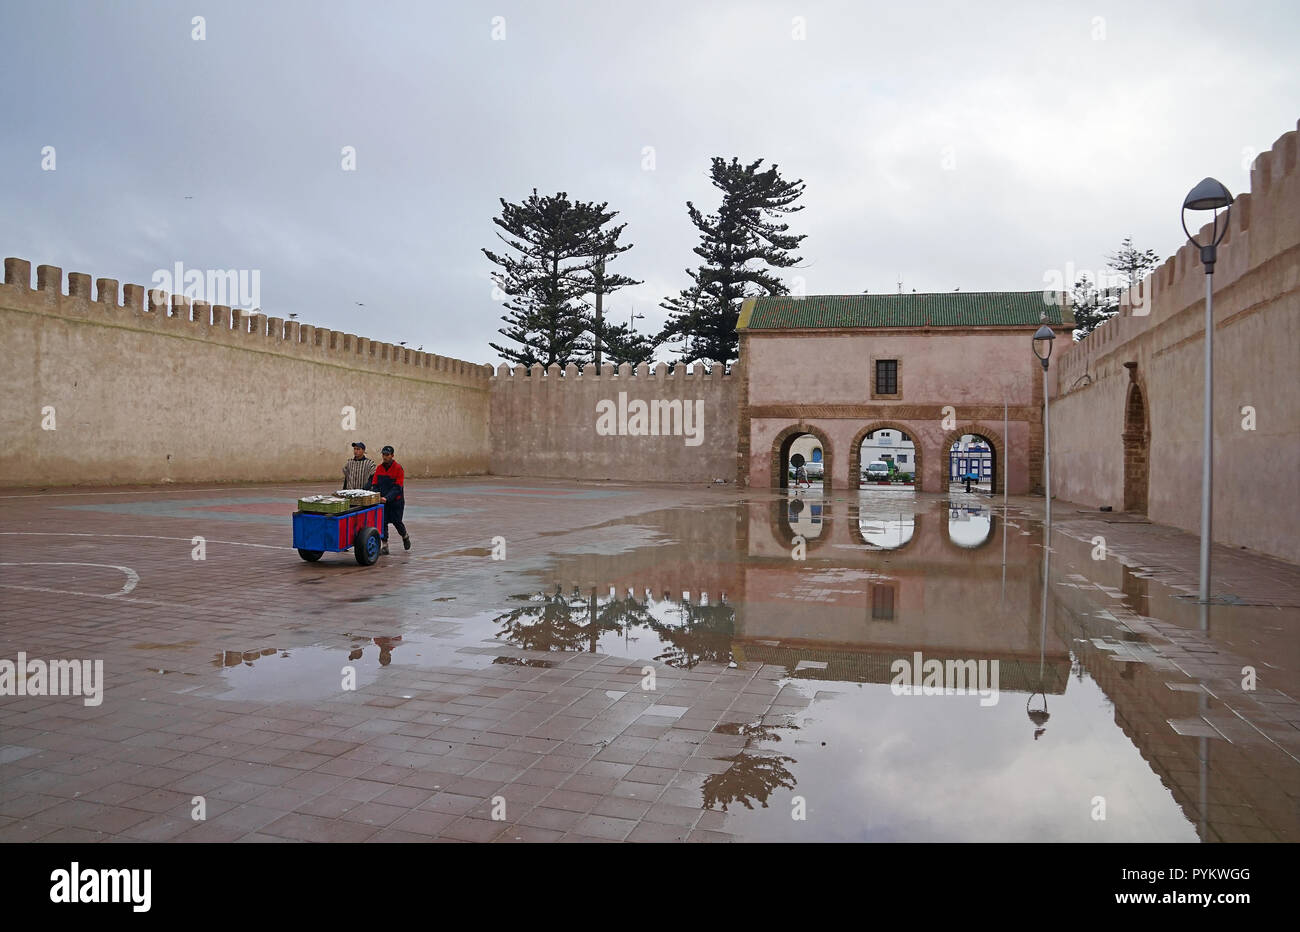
{"x":1042,"y":703}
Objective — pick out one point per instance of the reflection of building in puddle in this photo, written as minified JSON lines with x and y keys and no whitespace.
{"x":887,"y":533}
{"x":680,"y":633}
{"x":838,"y":664}
{"x":754,"y":774}
{"x":969,"y":525}
{"x":804,"y":517}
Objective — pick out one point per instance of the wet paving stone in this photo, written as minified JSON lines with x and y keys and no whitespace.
{"x":649,"y":665}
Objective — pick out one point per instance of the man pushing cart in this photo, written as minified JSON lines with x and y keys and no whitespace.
{"x":390,"y":483}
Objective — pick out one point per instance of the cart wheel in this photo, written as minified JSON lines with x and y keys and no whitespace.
{"x":366,"y":546}
{"x":311,"y":556}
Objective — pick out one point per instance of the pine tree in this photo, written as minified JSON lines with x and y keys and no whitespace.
{"x":604,"y":248}
{"x":545,"y":279}
{"x":1132,"y":264}
{"x":623,"y":344}
{"x":739,"y":244}
{"x":1094,"y":305}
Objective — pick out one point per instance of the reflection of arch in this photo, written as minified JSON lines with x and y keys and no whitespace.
{"x":855,"y":533}
{"x":988,"y":538}
{"x":855,"y":450}
{"x":782,"y":531}
{"x":781,"y":454}
{"x":1136,"y":446}
{"x":995,"y":441}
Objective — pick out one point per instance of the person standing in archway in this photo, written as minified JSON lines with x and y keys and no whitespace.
{"x":390,"y":483}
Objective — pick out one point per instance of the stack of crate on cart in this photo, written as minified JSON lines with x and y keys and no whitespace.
{"x":339,"y":502}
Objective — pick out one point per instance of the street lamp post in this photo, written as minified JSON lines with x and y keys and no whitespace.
{"x":1208,"y":195}
{"x":1042,"y":344}
{"x":600,"y":293}
{"x":1043,"y":350}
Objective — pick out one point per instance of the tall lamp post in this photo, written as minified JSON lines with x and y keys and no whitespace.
{"x":1208,"y":195}
{"x":1043,"y":350}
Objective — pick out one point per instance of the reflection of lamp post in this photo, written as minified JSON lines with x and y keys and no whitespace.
{"x":1038,"y":716}
{"x":1043,"y":350}
{"x":1208,"y":195}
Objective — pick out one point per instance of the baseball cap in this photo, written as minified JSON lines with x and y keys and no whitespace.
{"x":388,"y":450}
{"x":359,"y":444}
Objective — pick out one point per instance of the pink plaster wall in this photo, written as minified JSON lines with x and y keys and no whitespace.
{"x":941,"y":367}
{"x":808,"y":372}
{"x":1256,"y":351}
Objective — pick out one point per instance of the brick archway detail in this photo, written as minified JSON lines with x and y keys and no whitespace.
{"x":780,"y":451}
{"x":855,"y":451}
{"x":999,"y":453}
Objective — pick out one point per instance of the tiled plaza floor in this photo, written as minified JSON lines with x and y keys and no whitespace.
{"x":225,"y":678}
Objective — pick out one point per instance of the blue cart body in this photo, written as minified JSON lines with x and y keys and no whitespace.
{"x":334,"y":532}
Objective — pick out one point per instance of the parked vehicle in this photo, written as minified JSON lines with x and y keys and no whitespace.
{"x":879,"y":471}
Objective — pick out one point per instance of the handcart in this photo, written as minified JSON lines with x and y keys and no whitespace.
{"x":360,"y":529}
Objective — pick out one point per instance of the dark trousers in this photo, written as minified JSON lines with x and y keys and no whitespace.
{"x":393,"y":515}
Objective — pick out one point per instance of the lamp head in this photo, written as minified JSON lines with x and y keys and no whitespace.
{"x":1210,"y":194}
{"x":1043,"y":343}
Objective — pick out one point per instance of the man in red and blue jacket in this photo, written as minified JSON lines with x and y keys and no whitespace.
{"x":389,"y":481}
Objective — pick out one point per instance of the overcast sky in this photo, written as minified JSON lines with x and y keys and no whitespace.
{"x":952,"y":144}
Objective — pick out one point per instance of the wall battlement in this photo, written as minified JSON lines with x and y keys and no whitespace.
{"x":508,"y":375}
{"x":1126,"y":405}
{"x":1262,"y":226}
{"x":155,"y":310}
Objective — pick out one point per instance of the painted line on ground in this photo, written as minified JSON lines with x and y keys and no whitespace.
{"x":188,"y":540}
{"x":132,"y":577}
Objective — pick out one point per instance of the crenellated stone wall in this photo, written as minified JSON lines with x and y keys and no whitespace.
{"x":1127,"y":400}
{"x":548,"y":422}
{"x":164,"y":389}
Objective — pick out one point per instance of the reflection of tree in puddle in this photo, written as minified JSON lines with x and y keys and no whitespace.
{"x":703,"y":633}
{"x":752,"y":775}
{"x":691,"y":633}
{"x":559,"y":622}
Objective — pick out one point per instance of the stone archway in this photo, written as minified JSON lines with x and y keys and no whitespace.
{"x":855,"y":451}
{"x":995,"y":441}
{"x":781,"y":452}
{"x":1137,"y":444}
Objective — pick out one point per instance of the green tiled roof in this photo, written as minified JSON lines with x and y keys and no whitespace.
{"x":951,"y":309}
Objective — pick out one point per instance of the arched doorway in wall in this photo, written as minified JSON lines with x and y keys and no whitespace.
{"x":784,"y":449}
{"x":975,"y":450}
{"x":891,"y":444}
{"x":1136,"y":450}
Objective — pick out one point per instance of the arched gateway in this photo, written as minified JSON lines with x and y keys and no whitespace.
{"x":933,"y":366}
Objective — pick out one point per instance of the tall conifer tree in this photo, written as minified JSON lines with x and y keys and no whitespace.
{"x":739,"y":245}
{"x":543,"y":279}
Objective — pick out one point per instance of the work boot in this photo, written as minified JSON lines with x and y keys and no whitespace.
{"x":384,"y":549}
{"x":406,"y":541}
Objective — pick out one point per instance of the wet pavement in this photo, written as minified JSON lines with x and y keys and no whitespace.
{"x":558,"y":661}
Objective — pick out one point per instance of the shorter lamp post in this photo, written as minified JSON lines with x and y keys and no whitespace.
{"x":1043,"y":350}
{"x":1208,"y":195}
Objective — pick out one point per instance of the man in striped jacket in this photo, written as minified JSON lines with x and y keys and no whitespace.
{"x":358,"y":471}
